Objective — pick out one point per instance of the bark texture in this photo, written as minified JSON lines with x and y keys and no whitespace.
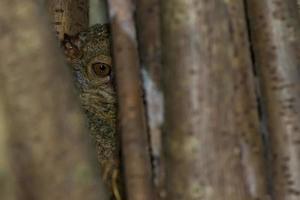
{"x":46,"y":138}
{"x":7,"y":178}
{"x":212,"y":139}
{"x":275,"y":28}
{"x":68,"y":16}
{"x":135,"y":152}
{"x":149,"y":39}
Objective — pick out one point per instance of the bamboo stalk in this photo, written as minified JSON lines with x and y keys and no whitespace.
{"x":98,"y":12}
{"x":148,"y":33}
{"x":7,"y":178}
{"x":212,"y":139}
{"x":131,"y":111}
{"x":275,"y":29}
{"x":68,"y":16}
{"x":48,"y":145}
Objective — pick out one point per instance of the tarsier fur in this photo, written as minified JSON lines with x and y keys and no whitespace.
{"x":89,"y":55}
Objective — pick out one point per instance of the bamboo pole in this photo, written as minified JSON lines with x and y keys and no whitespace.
{"x":148,"y":34}
{"x":131,"y":111}
{"x":275,"y":29}
{"x":98,"y":12}
{"x":7,"y":178}
{"x":212,"y":139}
{"x":48,"y":145}
{"x":68,"y":16}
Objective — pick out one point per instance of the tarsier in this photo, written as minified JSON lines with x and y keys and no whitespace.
{"x":89,"y":56}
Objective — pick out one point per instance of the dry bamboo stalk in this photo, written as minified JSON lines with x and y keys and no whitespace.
{"x":149,"y":36}
{"x":46,"y":136}
{"x":98,"y":12}
{"x":275,"y":35}
{"x":212,"y":139}
{"x":131,"y":111}
{"x":68,"y":16}
{"x":148,"y":33}
{"x":7,"y":178}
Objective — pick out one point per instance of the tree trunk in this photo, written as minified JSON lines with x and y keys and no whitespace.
{"x":276,"y":44}
{"x":131,"y":111}
{"x":47,"y":141}
{"x":212,"y":139}
{"x":68,"y":16}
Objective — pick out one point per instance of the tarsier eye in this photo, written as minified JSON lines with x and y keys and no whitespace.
{"x":101,"y":69}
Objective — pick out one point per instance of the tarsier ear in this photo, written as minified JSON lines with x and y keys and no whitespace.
{"x":70,"y":45}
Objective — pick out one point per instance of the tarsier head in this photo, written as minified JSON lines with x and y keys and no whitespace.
{"x":89,"y":55}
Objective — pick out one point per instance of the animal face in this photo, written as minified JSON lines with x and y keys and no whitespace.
{"x":89,"y":56}
{"x":90,"y":59}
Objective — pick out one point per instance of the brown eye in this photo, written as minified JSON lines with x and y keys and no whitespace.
{"x":101,"y":69}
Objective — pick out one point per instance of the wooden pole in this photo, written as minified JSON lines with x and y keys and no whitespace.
{"x":68,"y":16}
{"x":275,"y":28}
{"x":212,"y":139}
{"x":8,"y":186}
{"x":47,"y":141}
{"x":131,"y":109}
{"x":149,"y":40}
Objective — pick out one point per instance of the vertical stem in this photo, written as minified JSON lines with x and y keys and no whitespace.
{"x":131,"y":109}
{"x":8,"y":186}
{"x":148,"y":32}
{"x":212,"y":139}
{"x":68,"y":16}
{"x":97,"y":12}
{"x":275,"y":29}
{"x":48,"y":144}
